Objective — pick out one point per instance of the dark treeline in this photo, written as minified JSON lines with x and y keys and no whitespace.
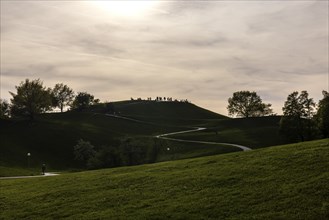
{"x":32,"y":98}
{"x":126,"y":152}
{"x":300,"y":120}
{"x":303,"y":119}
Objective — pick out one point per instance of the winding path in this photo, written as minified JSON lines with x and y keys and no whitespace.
{"x":161,"y":136}
{"x":165,"y":136}
{"x":24,"y":177}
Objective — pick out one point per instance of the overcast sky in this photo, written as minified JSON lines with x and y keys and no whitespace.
{"x":197,"y":50}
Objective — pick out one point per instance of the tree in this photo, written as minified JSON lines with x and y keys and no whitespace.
{"x":82,"y":101}
{"x":298,"y":111}
{"x":63,"y":95}
{"x":4,"y":109}
{"x":84,"y":151}
{"x":31,"y":99}
{"x":300,"y":106}
{"x":248,"y":104}
{"x":105,"y":157}
{"x":322,"y":115}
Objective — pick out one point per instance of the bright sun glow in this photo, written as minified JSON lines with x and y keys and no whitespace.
{"x":126,"y":8}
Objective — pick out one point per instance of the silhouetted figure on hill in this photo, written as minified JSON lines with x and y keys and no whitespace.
{"x":43,"y":168}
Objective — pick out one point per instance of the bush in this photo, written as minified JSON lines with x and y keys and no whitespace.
{"x":84,"y":151}
{"x":106,"y":157}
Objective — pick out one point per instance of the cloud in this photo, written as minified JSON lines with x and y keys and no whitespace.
{"x":200,"y":50}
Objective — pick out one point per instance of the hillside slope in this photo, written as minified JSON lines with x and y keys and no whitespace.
{"x":252,"y":132}
{"x":50,"y":139}
{"x":283,"y":182}
{"x":167,"y":113}
{"x":165,"y":109}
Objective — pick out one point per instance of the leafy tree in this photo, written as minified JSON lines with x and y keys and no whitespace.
{"x":31,"y":99}
{"x":248,"y":104}
{"x":4,"y":109}
{"x":63,"y":95}
{"x":298,"y":111}
{"x":84,"y":151}
{"x":323,"y":114}
{"x":133,"y":151}
{"x":300,"y":106}
{"x":105,"y":157}
{"x":82,"y":101}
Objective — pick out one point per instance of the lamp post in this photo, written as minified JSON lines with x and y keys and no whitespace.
{"x":28,"y":160}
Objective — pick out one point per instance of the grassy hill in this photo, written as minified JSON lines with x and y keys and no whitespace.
{"x":252,"y":132}
{"x":156,"y":109}
{"x":283,"y":182}
{"x":165,"y":109}
{"x":179,"y":114}
{"x":50,"y":139}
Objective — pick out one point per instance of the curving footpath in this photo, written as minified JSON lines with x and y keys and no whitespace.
{"x":161,"y":136}
{"x":165,"y":136}
{"x":23,"y":177}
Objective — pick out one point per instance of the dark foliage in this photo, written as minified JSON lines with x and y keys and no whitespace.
{"x":322,"y":116}
{"x":63,"y":95}
{"x":297,"y":124}
{"x":4,"y":109}
{"x":31,"y":99}
{"x":82,"y":101}
{"x":248,"y":104}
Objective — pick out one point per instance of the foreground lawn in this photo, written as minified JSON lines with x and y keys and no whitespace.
{"x":283,"y":182}
{"x":17,"y":171}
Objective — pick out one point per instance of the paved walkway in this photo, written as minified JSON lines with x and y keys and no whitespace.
{"x":161,"y":136}
{"x":164,"y":136}
{"x":23,"y":177}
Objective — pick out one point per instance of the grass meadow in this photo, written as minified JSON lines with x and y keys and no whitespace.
{"x":282,"y":182}
{"x":51,"y":137}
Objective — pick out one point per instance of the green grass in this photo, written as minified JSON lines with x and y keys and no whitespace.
{"x":283,"y":182}
{"x":178,"y":110}
{"x":18,"y":171}
{"x":173,"y":150}
{"x":50,"y":139}
{"x":251,"y":132}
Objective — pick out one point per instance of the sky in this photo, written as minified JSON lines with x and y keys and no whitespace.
{"x":203,"y":51}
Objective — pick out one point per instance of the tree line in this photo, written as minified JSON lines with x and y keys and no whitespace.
{"x":32,"y":98}
{"x":302,"y":118}
{"x":126,"y":152}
